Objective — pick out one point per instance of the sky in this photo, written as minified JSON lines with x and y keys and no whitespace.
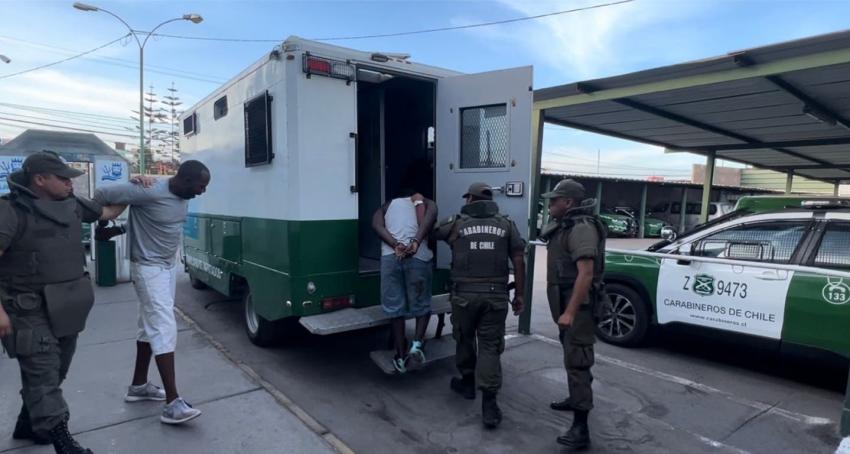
{"x":100,"y":90}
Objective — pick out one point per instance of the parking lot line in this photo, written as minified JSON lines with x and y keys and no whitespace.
{"x":760,"y":406}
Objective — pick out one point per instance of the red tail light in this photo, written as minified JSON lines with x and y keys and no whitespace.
{"x":332,"y":304}
{"x":317,"y":65}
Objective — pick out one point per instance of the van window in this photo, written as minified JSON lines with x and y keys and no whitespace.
{"x":220,"y":108}
{"x":190,"y":124}
{"x":773,"y":242}
{"x":258,"y":131}
{"x":484,"y":137}
{"x":834,"y":249}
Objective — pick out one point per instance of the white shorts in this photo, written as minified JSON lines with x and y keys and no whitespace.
{"x":155,"y":287}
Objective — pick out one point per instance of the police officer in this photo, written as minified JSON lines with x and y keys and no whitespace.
{"x":482,"y":242}
{"x":45,"y":293}
{"x":575,"y":263}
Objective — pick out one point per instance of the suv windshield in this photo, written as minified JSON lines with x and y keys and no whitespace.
{"x":726,"y":217}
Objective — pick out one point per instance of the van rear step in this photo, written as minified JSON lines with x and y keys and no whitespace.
{"x":435,"y":350}
{"x":351,"y":319}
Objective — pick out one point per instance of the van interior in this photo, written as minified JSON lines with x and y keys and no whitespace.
{"x":395,"y":148}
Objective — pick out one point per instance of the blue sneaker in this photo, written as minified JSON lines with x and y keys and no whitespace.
{"x":416,"y":352}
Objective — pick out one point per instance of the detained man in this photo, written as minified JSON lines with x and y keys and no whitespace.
{"x":403,"y":225}
{"x":158,"y":209}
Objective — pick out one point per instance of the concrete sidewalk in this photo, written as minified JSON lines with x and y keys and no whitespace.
{"x":241,"y":413}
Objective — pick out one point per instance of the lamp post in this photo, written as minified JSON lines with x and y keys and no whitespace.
{"x":5,"y":59}
{"x":194,"y":18}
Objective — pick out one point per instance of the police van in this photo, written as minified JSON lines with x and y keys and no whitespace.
{"x":781,"y":275}
{"x":303,"y":147}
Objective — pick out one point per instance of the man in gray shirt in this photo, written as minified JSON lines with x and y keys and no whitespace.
{"x":158,"y":209}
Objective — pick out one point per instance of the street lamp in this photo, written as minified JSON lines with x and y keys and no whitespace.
{"x":194,"y":18}
{"x":5,"y":59}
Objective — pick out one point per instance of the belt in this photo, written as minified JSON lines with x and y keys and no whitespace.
{"x":480,"y":287}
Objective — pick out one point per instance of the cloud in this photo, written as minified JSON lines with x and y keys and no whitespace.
{"x":592,"y":43}
{"x":66,"y":91}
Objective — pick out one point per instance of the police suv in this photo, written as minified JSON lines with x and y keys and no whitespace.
{"x":782,"y":275}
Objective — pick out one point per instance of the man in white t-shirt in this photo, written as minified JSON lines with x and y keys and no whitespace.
{"x":403,"y":225}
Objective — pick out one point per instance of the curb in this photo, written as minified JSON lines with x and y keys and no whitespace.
{"x":281,"y":398}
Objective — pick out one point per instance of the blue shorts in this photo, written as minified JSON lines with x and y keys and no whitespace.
{"x":405,"y":286}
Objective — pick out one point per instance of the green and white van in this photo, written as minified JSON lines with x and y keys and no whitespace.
{"x":308,"y":142}
{"x":780,"y":275}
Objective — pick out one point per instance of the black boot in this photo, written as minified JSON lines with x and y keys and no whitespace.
{"x":562,"y":405}
{"x":491,"y":414}
{"x":464,"y":386}
{"x":578,"y":437}
{"x":63,"y":443}
{"x":23,"y":429}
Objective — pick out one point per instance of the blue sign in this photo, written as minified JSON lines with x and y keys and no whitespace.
{"x":8,"y":164}
{"x":114,"y":173}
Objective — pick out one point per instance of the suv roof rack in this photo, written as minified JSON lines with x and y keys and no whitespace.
{"x":821,"y":204}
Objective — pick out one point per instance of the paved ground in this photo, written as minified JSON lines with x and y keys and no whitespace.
{"x":239,"y":415}
{"x":681,"y":394}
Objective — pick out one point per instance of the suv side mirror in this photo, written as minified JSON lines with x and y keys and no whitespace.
{"x":668,"y":233}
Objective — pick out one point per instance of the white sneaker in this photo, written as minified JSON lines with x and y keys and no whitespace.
{"x":148,"y":391}
{"x":178,"y":412}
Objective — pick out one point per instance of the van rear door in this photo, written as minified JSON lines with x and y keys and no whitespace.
{"x":484,"y":135}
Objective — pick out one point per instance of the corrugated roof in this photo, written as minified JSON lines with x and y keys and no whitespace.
{"x":671,"y":183}
{"x":748,"y":106}
{"x":72,"y":146}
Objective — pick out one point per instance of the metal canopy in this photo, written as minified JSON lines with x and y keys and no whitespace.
{"x":784,"y":107}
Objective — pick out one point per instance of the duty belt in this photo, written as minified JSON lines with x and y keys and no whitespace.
{"x":480,"y":287}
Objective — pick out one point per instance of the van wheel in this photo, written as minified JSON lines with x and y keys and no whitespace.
{"x":625,"y":321}
{"x":196,"y":283}
{"x":261,"y":332}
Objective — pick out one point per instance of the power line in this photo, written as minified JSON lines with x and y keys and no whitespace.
{"x":6,"y":76}
{"x":69,"y":122}
{"x":85,"y":114}
{"x":415,"y":32}
{"x":116,"y":61}
{"x":67,"y":128}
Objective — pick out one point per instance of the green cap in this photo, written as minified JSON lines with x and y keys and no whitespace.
{"x":479,"y":190}
{"x":566,"y":188}
{"x":49,"y":162}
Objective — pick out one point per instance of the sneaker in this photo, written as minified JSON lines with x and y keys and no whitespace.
{"x":178,"y":412}
{"x":148,"y":391}
{"x":416,"y":353}
{"x":400,"y":364}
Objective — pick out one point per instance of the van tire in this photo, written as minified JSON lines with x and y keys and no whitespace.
{"x":261,"y":332}
{"x":627,"y":308}
{"x":196,"y":283}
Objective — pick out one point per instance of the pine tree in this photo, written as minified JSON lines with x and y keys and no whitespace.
{"x":172,"y":102}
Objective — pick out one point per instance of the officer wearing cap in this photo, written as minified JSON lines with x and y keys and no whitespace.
{"x":575,"y":263}
{"x":45,"y":292}
{"x":482,"y":242}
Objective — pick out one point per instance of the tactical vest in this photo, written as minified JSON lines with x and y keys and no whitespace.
{"x":560,"y":268}
{"x":47,"y":247}
{"x":480,"y":249}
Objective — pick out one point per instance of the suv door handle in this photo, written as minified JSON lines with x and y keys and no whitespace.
{"x":684,"y":262}
{"x":771,"y":276}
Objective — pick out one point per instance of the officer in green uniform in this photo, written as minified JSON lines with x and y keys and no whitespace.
{"x":482,"y":242}
{"x":575,"y":263}
{"x":46,"y":295}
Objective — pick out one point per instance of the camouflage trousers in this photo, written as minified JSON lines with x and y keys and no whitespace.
{"x":480,"y":317}
{"x":44,"y":361}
